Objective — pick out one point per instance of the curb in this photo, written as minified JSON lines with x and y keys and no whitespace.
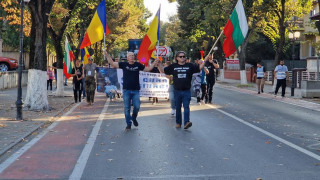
{"x":2,"y":152}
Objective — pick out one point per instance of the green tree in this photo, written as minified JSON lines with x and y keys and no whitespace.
{"x":281,"y":15}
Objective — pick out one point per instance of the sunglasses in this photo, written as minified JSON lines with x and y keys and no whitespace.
{"x":182,"y":56}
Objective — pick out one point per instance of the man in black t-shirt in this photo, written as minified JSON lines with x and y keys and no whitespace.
{"x":211,"y":65}
{"x":131,"y":85}
{"x":182,"y":75}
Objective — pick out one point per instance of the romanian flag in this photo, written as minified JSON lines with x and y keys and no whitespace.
{"x":97,"y":28}
{"x":84,"y":55}
{"x":235,"y":30}
{"x":68,"y":58}
{"x":148,"y":44}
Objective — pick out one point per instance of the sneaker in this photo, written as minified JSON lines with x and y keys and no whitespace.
{"x":258,"y":92}
{"x":261,"y":90}
{"x":128,"y":128}
{"x":178,"y":125}
{"x":173,"y":112}
{"x":135,"y":123}
{"x":189,"y":124}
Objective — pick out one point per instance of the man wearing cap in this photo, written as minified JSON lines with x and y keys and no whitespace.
{"x":131,"y":85}
{"x":90,"y":81}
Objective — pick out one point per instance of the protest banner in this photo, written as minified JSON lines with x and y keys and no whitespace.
{"x":151,"y":84}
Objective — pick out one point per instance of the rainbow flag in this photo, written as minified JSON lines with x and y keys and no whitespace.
{"x":84,"y":55}
{"x":235,"y":30}
{"x":98,"y":26}
{"x":149,"y":42}
{"x":68,"y":58}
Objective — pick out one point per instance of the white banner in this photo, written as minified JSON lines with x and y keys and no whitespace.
{"x":151,"y":84}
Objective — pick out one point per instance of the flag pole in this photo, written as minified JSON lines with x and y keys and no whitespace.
{"x":157,"y":48}
{"x":104,"y":46}
{"x":215,"y":42}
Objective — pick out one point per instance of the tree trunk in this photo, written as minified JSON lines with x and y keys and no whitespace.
{"x":60,"y":56}
{"x":242,"y":58}
{"x":282,"y":28}
{"x":57,"y":37}
{"x":36,"y":98}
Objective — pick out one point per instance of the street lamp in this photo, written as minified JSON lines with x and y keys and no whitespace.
{"x":19,"y":102}
{"x":293,"y":36}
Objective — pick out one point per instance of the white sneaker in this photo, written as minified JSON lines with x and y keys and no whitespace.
{"x":173,"y":112}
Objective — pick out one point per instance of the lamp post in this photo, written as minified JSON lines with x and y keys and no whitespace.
{"x":293,"y":36}
{"x":19,"y":102}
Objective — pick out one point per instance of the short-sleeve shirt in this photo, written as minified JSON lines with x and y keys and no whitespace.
{"x":131,"y":75}
{"x":281,"y":71}
{"x":90,"y":69}
{"x":211,"y":75}
{"x":182,"y":74}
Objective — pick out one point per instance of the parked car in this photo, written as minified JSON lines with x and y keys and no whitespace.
{"x":7,"y":64}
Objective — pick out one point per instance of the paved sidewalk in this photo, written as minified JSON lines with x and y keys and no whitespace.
{"x":12,"y":131}
{"x":269,"y":92}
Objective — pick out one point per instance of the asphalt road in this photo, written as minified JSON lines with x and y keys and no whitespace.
{"x":241,"y":136}
{"x":217,"y":146}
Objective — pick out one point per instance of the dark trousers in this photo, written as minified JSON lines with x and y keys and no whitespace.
{"x":77,"y":90}
{"x":49,"y":83}
{"x":203,"y":91}
{"x":77,"y":94}
{"x":90,"y":87}
{"x":283,"y":84}
{"x":210,"y":85}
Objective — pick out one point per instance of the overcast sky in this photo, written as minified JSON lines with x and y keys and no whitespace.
{"x":167,"y":9}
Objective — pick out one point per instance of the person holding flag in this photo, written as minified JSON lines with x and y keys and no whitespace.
{"x":211,"y":65}
{"x":77,"y":74}
{"x":131,"y":85}
{"x":182,"y":75}
{"x":84,"y":59}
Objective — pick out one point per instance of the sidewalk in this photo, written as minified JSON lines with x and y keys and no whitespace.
{"x":268,"y":89}
{"x":11,"y":131}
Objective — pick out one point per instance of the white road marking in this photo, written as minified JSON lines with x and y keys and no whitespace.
{"x":311,"y":154}
{"x":26,"y":147}
{"x":82,"y":161}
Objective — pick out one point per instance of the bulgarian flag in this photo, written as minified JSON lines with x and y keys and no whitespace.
{"x":235,"y":30}
{"x":68,"y":58}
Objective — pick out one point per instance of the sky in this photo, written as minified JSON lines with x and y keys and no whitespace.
{"x":167,"y":9}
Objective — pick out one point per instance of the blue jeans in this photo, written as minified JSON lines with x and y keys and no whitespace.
{"x":128,"y":96}
{"x":182,"y":97}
